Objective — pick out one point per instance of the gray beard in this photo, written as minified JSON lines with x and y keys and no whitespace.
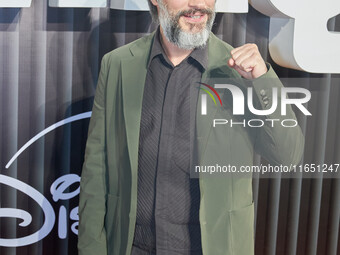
{"x":184,"y":40}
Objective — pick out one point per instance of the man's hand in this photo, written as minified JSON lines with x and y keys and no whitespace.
{"x":247,"y":61}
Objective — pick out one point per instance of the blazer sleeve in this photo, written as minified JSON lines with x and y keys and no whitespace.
{"x":279,"y":145}
{"x":92,"y":198}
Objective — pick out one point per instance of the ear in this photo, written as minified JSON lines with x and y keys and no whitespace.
{"x":154,"y":2}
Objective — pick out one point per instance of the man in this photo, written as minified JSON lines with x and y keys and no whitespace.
{"x":137,"y":196}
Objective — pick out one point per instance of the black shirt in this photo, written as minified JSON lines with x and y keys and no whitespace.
{"x":168,"y":199}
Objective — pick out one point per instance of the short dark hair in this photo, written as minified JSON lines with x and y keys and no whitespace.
{"x":153,"y":11}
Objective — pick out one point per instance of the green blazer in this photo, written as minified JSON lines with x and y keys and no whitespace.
{"x":108,"y":188}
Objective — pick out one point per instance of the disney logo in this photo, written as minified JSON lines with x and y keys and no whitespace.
{"x":57,"y":190}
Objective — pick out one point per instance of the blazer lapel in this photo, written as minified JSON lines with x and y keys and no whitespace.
{"x":204,"y":122}
{"x":217,"y":69}
{"x":134,"y":70}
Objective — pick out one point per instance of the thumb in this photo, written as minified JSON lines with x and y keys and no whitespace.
{"x":244,"y":74}
{"x":231,"y":62}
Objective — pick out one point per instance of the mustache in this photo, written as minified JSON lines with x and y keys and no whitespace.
{"x":207,"y":11}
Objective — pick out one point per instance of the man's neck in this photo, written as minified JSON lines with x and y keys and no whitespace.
{"x":176,"y":55}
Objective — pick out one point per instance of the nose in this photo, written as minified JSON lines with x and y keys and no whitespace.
{"x":196,"y":3}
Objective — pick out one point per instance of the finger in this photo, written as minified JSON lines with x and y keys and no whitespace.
{"x":247,"y":64}
{"x":243,"y":73}
{"x":246,"y":47}
{"x":244,"y":56}
{"x":238,"y":53}
{"x":231,"y":62}
{"x":235,"y":50}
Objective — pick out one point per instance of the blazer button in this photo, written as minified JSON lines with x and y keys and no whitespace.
{"x":262,"y":92}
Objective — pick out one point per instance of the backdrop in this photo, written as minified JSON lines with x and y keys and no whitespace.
{"x":49,"y":64}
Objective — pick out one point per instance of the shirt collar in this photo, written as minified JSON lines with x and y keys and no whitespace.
{"x":198,"y":54}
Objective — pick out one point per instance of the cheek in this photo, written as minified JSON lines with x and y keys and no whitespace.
{"x":176,"y":5}
{"x":210,"y":3}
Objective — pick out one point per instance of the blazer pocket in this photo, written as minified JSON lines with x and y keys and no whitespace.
{"x":242,"y":230}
